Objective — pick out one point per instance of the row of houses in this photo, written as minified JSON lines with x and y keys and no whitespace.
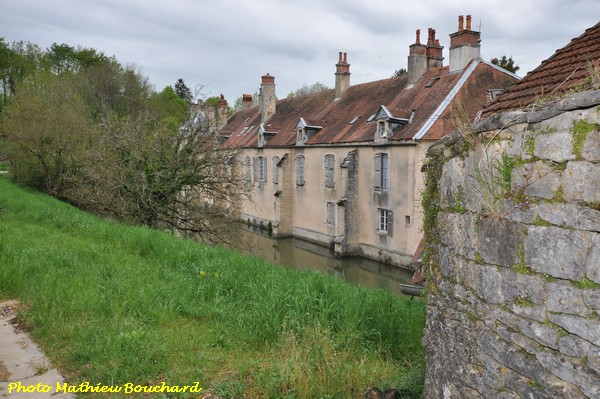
{"x":342,"y":167}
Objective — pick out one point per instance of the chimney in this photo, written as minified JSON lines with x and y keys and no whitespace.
{"x":222,"y":112}
{"x":417,"y":60}
{"x":342,"y":75}
{"x":434,"y":51}
{"x":246,"y":101}
{"x":464,"y":45}
{"x":267,"y":100}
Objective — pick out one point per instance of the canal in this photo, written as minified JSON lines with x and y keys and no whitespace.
{"x":299,"y":254}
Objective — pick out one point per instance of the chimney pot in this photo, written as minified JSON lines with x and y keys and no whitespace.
{"x":461,"y":22}
{"x":340,"y":59}
{"x":345,"y":58}
{"x":418,"y":40}
{"x":468,"y":22}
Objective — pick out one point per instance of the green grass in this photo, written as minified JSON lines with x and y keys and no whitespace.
{"x":113,"y":304}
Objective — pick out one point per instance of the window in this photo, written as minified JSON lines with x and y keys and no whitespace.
{"x":385,"y":221}
{"x":262,"y":169}
{"x":329,"y":170}
{"x":275,"y":170}
{"x":248,"y":165}
{"x":331,"y":213}
{"x":381,"y":162}
{"x":255,"y":168}
{"x":300,"y":170}
{"x":382,"y":129}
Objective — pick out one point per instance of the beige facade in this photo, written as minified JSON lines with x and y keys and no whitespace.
{"x":347,"y":161}
{"x":340,"y":206}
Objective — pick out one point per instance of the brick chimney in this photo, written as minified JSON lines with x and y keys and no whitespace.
{"x":267,"y":100}
{"x":464,"y":45}
{"x":417,"y":60}
{"x":246,"y":101}
{"x":222,"y":112}
{"x":342,"y":75}
{"x":434,"y":51}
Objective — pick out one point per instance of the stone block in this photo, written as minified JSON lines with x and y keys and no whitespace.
{"x":591,"y":298}
{"x":571,"y":371}
{"x":573,"y":216}
{"x":451,"y":182}
{"x":521,"y":145}
{"x":556,"y":147}
{"x":580,"y":326}
{"x":580,"y":181}
{"x":560,"y":253}
{"x":532,"y":287}
{"x":592,"y":263}
{"x":574,"y":346}
{"x":499,"y":241}
{"x":536,"y":180}
{"x":591,"y":147}
{"x":563,"y":297}
{"x":489,"y":285}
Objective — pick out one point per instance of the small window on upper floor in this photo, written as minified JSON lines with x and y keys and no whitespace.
{"x":275,"y":170}
{"x":300,"y":170}
{"x":262,"y":169}
{"x":382,"y":129}
{"x":329,"y":170}
{"x":248,"y":165}
{"x":381,"y":166}
{"x":385,"y":221}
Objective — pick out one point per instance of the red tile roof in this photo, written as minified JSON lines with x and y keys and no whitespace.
{"x":567,"y":69}
{"x":364,"y":100}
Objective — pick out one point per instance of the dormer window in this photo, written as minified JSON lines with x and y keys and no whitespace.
{"x":382,"y":129}
{"x":301,"y":136}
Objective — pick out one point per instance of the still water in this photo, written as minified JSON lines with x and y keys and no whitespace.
{"x":300,"y":254}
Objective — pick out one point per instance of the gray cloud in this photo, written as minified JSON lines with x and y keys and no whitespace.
{"x":227,"y":45}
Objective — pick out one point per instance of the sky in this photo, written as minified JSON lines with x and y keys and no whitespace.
{"x":225,"y":46}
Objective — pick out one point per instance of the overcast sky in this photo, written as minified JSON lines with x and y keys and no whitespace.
{"x":227,"y":45}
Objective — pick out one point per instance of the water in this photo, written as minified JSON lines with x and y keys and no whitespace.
{"x":299,"y":254}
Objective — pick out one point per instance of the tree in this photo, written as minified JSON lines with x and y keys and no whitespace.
{"x":183,"y":91}
{"x":506,"y":63}
{"x":306,"y":89}
{"x":399,"y":72}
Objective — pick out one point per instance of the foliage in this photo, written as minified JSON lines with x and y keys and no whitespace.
{"x":183,"y":91}
{"x":87,"y":130}
{"x":506,"y":63}
{"x":112,"y":303}
{"x":399,"y":72}
{"x":306,"y":89}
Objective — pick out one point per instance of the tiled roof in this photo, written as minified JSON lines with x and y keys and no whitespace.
{"x":567,"y":69}
{"x":346,"y":120}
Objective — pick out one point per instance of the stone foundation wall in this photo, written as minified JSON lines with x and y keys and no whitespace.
{"x":514,"y":258}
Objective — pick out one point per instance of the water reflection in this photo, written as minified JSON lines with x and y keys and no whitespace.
{"x":300,"y":254}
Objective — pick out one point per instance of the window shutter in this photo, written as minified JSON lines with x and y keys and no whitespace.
{"x":329,"y":166}
{"x":275,"y":171}
{"x":255,"y":167}
{"x":377,"y":168}
{"x":390,"y":222}
{"x":300,"y":170}
{"x":384,"y":171}
{"x":248,"y":170}
{"x":263,"y":169}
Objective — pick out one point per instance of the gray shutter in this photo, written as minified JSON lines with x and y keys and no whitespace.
{"x":300,"y":170}
{"x":385,"y":172}
{"x":390,"y":220}
{"x":248,"y":170}
{"x":255,"y":168}
{"x":377,"y":168}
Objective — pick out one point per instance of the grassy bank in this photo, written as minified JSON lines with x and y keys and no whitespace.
{"x":114,"y":304}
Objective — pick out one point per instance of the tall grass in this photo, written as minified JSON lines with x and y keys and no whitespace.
{"x":112,"y":304}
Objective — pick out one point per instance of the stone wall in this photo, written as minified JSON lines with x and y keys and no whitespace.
{"x":513,"y":256}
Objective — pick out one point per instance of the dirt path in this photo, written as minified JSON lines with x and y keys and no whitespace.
{"x":23,"y":366}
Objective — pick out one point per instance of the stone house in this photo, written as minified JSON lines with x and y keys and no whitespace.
{"x":514,"y":278}
{"x":342,"y":167}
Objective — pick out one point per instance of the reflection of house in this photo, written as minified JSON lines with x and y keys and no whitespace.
{"x":342,"y":167}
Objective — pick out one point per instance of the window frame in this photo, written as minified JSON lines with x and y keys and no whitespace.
{"x":300,"y":161}
{"x":329,"y":170}
{"x":385,"y":221}
{"x":330,"y":216}
{"x":381,"y":168}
